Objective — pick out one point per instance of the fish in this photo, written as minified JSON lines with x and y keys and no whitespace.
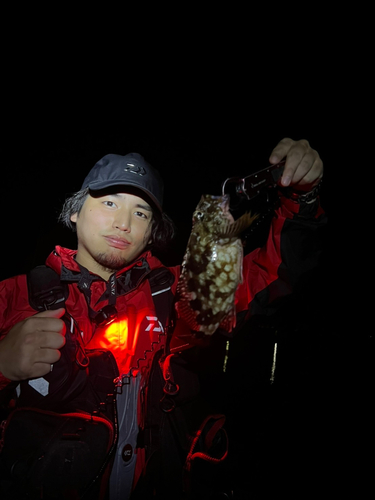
{"x":211,"y":268}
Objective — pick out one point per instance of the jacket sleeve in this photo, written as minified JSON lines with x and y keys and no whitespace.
{"x":292,"y":250}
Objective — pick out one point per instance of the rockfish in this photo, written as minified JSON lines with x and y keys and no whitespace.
{"x":212,"y":266}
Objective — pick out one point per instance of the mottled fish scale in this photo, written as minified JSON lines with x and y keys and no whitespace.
{"x":212,"y":266}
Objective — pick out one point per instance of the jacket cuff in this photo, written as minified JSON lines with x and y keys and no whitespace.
{"x":301,"y":203}
{"x":300,"y":197}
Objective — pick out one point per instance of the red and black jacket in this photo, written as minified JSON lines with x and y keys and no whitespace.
{"x":269,"y":273}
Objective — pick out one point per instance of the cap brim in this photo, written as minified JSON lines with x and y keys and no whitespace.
{"x":101,"y":186}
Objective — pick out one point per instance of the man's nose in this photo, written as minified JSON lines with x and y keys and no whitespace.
{"x":122,"y":222}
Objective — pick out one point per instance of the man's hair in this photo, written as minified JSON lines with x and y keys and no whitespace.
{"x":162,"y":227}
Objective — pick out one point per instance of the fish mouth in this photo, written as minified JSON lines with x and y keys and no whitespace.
{"x":224,"y":204}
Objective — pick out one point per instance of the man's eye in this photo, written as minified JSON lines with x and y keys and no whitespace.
{"x":109,"y":203}
{"x":141,"y":214}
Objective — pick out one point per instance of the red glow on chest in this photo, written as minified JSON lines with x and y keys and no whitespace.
{"x":129,"y":337}
{"x":117,"y":336}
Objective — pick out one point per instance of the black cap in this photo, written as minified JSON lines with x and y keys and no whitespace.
{"x":129,"y":170}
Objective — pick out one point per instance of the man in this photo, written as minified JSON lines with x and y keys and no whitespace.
{"x":119,"y":219}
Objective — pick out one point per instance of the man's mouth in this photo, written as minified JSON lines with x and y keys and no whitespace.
{"x":116,"y":242}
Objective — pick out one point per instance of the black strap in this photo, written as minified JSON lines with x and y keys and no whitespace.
{"x":161,"y":280}
{"x":47,"y":291}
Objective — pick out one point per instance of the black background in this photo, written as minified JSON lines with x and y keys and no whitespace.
{"x":204,"y":94}
{"x":309,"y":431}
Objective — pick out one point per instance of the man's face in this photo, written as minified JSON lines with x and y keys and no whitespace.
{"x":112,"y":231}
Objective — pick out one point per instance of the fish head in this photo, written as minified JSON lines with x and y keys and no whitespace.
{"x":212,"y":212}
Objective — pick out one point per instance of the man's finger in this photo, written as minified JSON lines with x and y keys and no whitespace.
{"x":48,"y":356}
{"x":48,"y":321}
{"x":51,"y":313}
{"x":51,"y":340}
{"x":281,"y":150}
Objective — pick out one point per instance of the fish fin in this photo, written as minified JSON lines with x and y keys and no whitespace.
{"x":182,"y":305}
{"x":238,"y":226}
{"x":182,"y":288}
{"x":186,"y":313}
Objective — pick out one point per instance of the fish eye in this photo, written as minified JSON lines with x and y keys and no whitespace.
{"x":199,"y":215}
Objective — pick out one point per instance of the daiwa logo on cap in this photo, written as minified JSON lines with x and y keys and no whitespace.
{"x":115,"y":170}
{"x":135,"y":169}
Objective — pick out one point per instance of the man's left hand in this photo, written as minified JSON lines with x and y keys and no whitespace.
{"x":303,"y":168}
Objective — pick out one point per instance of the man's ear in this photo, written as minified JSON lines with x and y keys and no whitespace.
{"x":74,"y":217}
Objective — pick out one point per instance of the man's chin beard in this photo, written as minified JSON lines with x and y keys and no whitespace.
{"x":110,"y":263}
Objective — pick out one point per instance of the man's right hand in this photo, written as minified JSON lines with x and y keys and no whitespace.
{"x":32,"y":346}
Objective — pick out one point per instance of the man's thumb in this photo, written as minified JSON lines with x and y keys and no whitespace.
{"x":51,"y":313}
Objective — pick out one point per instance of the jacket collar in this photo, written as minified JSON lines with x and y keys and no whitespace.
{"x":62,"y":260}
